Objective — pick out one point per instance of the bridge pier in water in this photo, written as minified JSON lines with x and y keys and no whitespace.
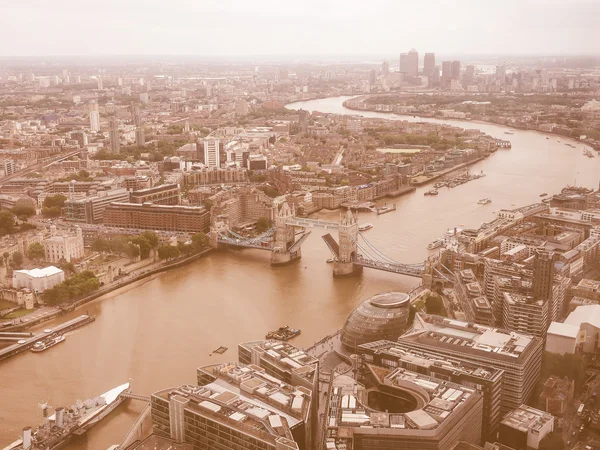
{"x":284,"y":249}
{"x":344,"y":265}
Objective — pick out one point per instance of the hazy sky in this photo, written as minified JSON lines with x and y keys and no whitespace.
{"x":299,"y":27}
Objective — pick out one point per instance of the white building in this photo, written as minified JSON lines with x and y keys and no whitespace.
{"x":525,"y":427}
{"x":65,"y":247}
{"x":38,"y":280}
{"x":562,"y":338}
{"x":94,"y":117}
{"x":212,"y":157}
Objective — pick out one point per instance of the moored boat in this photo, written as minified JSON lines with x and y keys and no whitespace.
{"x":484,"y":201}
{"x":435,"y":244}
{"x":66,"y":423}
{"x":365,"y":227}
{"x":46,"y":343}
{"x":432,"y":192}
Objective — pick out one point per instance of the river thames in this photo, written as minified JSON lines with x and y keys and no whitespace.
{"x":158,"y":332}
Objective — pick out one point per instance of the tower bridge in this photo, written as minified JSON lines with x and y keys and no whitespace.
{"x":351,"y":252}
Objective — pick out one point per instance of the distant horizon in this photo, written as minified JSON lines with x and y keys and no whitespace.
{"x":225,"y":28}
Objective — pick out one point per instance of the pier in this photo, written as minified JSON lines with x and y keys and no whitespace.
{"x":29,"y":342}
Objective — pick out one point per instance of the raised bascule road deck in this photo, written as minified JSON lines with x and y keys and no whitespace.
{"x":351,"y":252}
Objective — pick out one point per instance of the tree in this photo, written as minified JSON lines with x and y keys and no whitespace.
{"x":100,"y":245}
{"x":151,"y":237}
{"x":36,"y":251}
{"x":17,"y":258}
{"x":567,"y":365}
{"x":435,"y":305}
{"x":132,"y":250}
{"x":200,"y":240}
{"x":552,"y":441}
{"x":23,"y":212}
{"x":55,"y":200}
{"x":7,"y":223}
{"x":168,"y":252}
{"x":263,"y":224}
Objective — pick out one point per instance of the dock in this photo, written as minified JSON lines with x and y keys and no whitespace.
{"x":28,"y":342}
{"x":385,"y":209}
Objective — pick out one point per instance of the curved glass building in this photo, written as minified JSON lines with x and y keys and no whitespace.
{"x":383,"y":316}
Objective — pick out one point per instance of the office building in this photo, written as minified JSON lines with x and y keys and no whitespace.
{"x":38,"y":280}
{"x":140,"y":136}
{"x":523,"y":314}
{"x":215,"y":176}
{"x":525,"y":427}
{"x":8,"y":166}
{"x":94,"y":114}
{"x":518,"y":355}
{"x":470,"y":296}
{"x":234,"y":407}
{"x":165,"y":194}
{"x":63,"y":247}
{"x":486,"y":380}
{"x":144,"y":98}
{"x":100,"y":83}
{"x":286,"y":363}
{"x":455,"y":70}
{"x":409,"y":63}
{"x":385,"y":68}
{"x":136,"y":118}
{"x":91,"y":209}
{"x":501,"y":74}
{"x":469,"y":76}
{"x":429,"y":64}
{"x":189,"y":219}
{"x":212,"y":152}
{"x":400,"y":409}
{"x":244,"y":206}
{"x":543,"y":274}
{"x":114,"y":136}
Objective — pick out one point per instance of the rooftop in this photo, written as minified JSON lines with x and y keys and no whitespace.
{"x":245,"y":397}
{"x":585,"y":314}
{"x":469,"y":338}
{"x":526,"y":418}
{"x":428,"y":360}
{"x":41,"y":273}
{"x":286,"y":356}
{"x":563,"y":329}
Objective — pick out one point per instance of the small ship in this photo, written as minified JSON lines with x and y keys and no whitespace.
{"x":484,"y":201}
{"x":45,"y":344}
{"x":365,"y":227}
{"x":432,"y":192}
{"x":283,"y":333}
{"x":435,"y":244}
{"x":59,"y":428}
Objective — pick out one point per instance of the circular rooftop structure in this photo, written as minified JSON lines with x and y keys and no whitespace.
{"x":383,"y":316}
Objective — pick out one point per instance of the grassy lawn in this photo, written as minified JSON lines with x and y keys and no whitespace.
{"x":5,"y":304}
{"x":19,"y":313}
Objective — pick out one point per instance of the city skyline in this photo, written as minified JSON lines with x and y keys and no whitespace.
{"x":508,"y":28}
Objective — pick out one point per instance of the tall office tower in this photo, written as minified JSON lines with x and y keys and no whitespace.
{"x":100,"y":84}
{"x":135,"y":115}
{"x":429,"y":64}
{"x":409,"y":63}
{"x":455,"y":70}
{"x":212,"y":156}
{"x":518,"y":355}
{"x":115,"y":144}
{"x":94,"y":117}
{"x":543,"y":274}
{"x":543,"y":282}
{"x":447,"y":70}
{"x":140,"y":136}
{"x":469,"y":76}
{"x":501,"y":74}
{"x":385,"y":68}
{"x":372,"y":77}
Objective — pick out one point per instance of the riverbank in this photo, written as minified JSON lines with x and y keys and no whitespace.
{"x":107,"y":290}
{"x":422,"y":179}
{"x":488,"y":122}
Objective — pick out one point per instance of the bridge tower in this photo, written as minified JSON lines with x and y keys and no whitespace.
{"x":347,"y":238}
{"x":216,"y":227}
{"x":285,"y":236}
